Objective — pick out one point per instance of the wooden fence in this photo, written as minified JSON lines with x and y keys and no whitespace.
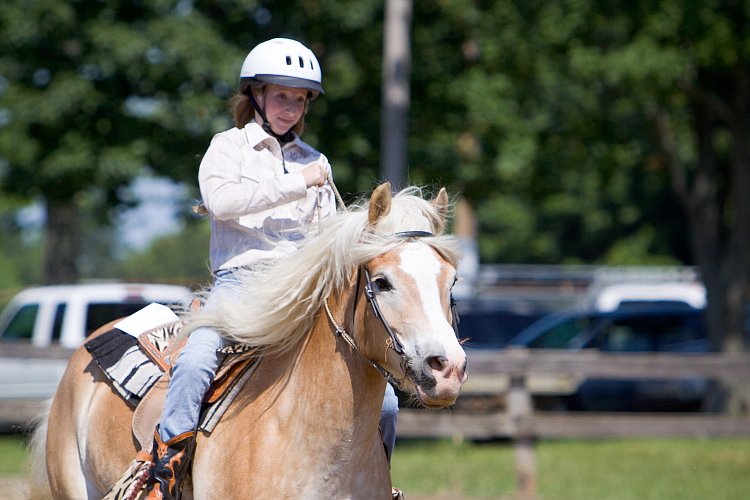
{"x":511,"y":372}
{"x":508,"y":375}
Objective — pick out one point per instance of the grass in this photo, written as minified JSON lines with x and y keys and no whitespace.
{"x":12,"y":454}
{"x":627,"y":469}
{"x":444,"y":468}
{"x":645,"y":469}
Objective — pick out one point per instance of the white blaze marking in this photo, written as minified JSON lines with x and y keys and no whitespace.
{"x":421,"y":262}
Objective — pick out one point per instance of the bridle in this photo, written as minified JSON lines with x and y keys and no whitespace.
{"x":371,"y":291}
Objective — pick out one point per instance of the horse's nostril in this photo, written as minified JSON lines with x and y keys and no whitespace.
{"x":437,"y":363}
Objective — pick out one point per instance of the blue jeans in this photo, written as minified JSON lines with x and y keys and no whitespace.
{"x":192,"y":375}
{"x":191,"y":378}
{"x":388,"y":417}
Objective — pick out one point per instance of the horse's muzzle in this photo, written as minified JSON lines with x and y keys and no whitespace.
{"x":438,"y":380}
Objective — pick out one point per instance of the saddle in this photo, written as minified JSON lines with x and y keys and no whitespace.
{"x":138,"y":368}
{"x":137,"y":356}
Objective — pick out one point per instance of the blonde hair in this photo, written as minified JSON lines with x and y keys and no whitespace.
{"x":243,"y":111}
{"x":274,"y":305}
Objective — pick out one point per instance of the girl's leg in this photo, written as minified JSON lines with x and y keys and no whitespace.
{"x":388,"y":416}
{"x":191,"y":377}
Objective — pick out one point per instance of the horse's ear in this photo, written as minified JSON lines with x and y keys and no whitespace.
{"x":440,"y":202}
{"x":380,"y":203}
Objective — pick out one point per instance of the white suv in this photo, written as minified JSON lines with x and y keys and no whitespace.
{"x":41,"y":325}
{"x":65,"y":315}
{"x":613,"y":297}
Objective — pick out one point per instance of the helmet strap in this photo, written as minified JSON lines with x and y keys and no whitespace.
{"x":284,"y":138}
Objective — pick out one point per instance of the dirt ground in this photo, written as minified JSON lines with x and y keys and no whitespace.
{"x":16,"y":488}
{"x":13,"y":487}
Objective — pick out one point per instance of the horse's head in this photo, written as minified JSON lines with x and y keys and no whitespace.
{"x":409,"y":324}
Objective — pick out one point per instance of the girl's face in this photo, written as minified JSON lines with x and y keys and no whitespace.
{"x":284,"y":106}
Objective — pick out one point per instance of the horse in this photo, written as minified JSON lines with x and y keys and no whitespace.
{"x":365,"y":299}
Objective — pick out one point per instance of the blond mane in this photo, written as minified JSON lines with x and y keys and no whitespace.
{"x":274,"y":305}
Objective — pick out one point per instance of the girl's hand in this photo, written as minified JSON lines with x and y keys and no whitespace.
{"x":315,"y":175}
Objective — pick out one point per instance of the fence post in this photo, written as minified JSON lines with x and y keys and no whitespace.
{"x":520,"y":419}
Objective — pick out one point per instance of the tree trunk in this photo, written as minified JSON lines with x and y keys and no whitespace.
{"x":720,"y":235}
{"x":700,"y":199}
{"x":62,"y":242}
{"x":737,"y":268}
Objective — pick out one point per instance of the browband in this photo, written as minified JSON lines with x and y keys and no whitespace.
{"x":413,"y":234}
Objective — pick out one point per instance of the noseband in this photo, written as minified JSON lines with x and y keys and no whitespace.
{"x":371,"y":290}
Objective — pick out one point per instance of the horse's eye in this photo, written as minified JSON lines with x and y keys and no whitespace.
{"x":382,"y":284}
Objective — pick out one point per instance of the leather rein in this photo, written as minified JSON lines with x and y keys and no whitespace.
{"x":371,"y":290}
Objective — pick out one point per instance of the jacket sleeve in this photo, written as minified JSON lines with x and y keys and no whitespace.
{"x":228,"y":194}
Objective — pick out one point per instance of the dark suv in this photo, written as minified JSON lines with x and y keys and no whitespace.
{"x":490,"y":324}
{"x":644,"y":327}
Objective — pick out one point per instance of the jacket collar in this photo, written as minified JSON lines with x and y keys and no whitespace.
{"x":256,"y":136}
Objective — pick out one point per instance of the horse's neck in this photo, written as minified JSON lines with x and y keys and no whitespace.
{"x":312,"y":430}
{"x":336,"y":386}
{"x":344,"y":374}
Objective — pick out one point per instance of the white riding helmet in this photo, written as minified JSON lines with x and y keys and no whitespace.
{"x":282,"y":61}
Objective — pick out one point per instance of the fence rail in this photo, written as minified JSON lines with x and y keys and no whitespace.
{"x":428,"y":424}
{"x":516,"y":361}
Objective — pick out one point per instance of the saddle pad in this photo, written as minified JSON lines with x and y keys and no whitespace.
{"x":133,"y":367}
{"x":131,"y":372}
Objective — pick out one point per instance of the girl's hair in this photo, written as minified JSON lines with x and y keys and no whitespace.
{"x":244,"y":112}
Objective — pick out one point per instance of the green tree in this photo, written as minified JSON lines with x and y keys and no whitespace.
{"x":691,"y":61}
{"x":585,"y":131}
{"x":93,"y":94}
{"x":542,"y":149}
{"x":166,"y":260}
{"x":19,"y":251}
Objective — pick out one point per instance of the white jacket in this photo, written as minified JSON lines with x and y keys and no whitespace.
{"x":257,"y":210}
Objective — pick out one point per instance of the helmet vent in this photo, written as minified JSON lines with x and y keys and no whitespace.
{"x":288,"y":61}
{"x":301,"y":62}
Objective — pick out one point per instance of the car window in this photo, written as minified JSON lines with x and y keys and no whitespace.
{"x":626,"y":337}
{"x":21,"y":326}
{"x":649,"y":333}
{"x":57,"y":323}
{"x":561,"y":335}
{"x":491,"y":329}
{"x":687,"y":334}
{"x":100,"y":314}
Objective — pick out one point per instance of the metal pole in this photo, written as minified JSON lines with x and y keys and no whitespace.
{"x":395,"y":105}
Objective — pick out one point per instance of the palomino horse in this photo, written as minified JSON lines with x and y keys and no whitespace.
{"x":306,"y":423}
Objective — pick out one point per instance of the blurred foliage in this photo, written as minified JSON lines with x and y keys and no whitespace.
{"x":20,"y":253}
{"x":552,"y":154}
{"x":181,"y":258}
{"x":541,"y":114}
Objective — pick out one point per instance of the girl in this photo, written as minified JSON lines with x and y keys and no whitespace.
{"x":261,"y":185}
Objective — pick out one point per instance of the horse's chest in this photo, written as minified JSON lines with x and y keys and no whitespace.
{"x":283,"y":472}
